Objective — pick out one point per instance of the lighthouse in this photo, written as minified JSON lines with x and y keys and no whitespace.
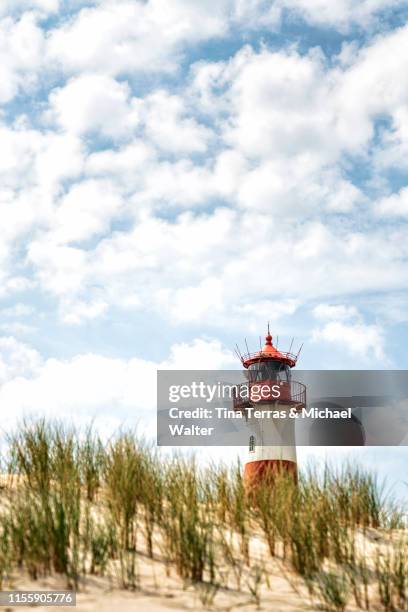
{"x":270,"y":391}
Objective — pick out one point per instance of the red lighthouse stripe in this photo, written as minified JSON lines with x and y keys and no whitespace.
{"x":257,"y":471}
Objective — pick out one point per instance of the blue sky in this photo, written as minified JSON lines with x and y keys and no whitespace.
{"x":175,"y":174}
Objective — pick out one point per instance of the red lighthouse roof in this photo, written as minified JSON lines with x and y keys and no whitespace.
{"x":269,"y":353}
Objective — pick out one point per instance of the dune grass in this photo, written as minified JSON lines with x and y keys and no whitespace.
{"x":75,"y":506}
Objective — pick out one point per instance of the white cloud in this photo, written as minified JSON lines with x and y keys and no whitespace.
{"x":15,"y":284}
{"x":375,"y":85}
{"x":160,"y":184}
{"x":227,"y":13}
{"x":16,"y":328}
{"x":31,"y":159}
{"x":179,"y":184}
{"x":21,"y":50}
{"x":85,"y":211}
{"x":32,"y":166}
{"x":120,"y":36}
{"x":275,"y":186}
{"x":365,"y":341}
{"x":75,"y":312}
{"x":60,"y":158}
{"x":252,"y":315}
{"x":284,"y":105}
{"x":17,"y":310}
{"x":17,"y":360}
{"x":151,"y":183}
{"x":340,"y":14}
{"x":45,"y":7}
{"x":100,"y":104}
{"x":82,"y":389}
{"x":18,"y":151}
{"x":273,"y":98}
{"x":199,"y":354}
{"x":60,"y":269}
{"x":339,"y":312}
{"x":395,"y":205}
{"x":94,"y":103}
{"x":91,"y":387}
{"x":208,"y":266}
{"x":63,"y":268}
{"x":344,"y":326}
{"x":168,"y":127}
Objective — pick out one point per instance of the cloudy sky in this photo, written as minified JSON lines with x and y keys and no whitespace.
{"x":174,"y":173}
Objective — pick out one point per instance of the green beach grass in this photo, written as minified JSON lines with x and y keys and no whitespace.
{"x":75,"y":506}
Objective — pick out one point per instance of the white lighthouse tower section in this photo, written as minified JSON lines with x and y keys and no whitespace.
{"x":272,"y":439}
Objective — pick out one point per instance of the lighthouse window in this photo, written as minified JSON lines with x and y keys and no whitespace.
{"x":252,"y":444}
{"x":284,"y":373}
{"x":269,"y":370}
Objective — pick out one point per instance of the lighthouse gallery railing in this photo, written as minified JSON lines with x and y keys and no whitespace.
{"x":265,"y":391}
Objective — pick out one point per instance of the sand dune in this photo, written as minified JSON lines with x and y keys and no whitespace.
{"x":282,"y":591}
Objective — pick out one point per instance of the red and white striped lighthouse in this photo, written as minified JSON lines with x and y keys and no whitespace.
{"x":270,"y":371}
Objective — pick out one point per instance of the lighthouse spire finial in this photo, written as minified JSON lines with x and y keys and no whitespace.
{"x":268,"y":338}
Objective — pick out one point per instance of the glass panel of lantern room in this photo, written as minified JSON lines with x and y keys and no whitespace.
{"x":254,"y":372}
{"x":264,"y":370}
{"x":271,"y":370}
{"x":284,"y":373}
